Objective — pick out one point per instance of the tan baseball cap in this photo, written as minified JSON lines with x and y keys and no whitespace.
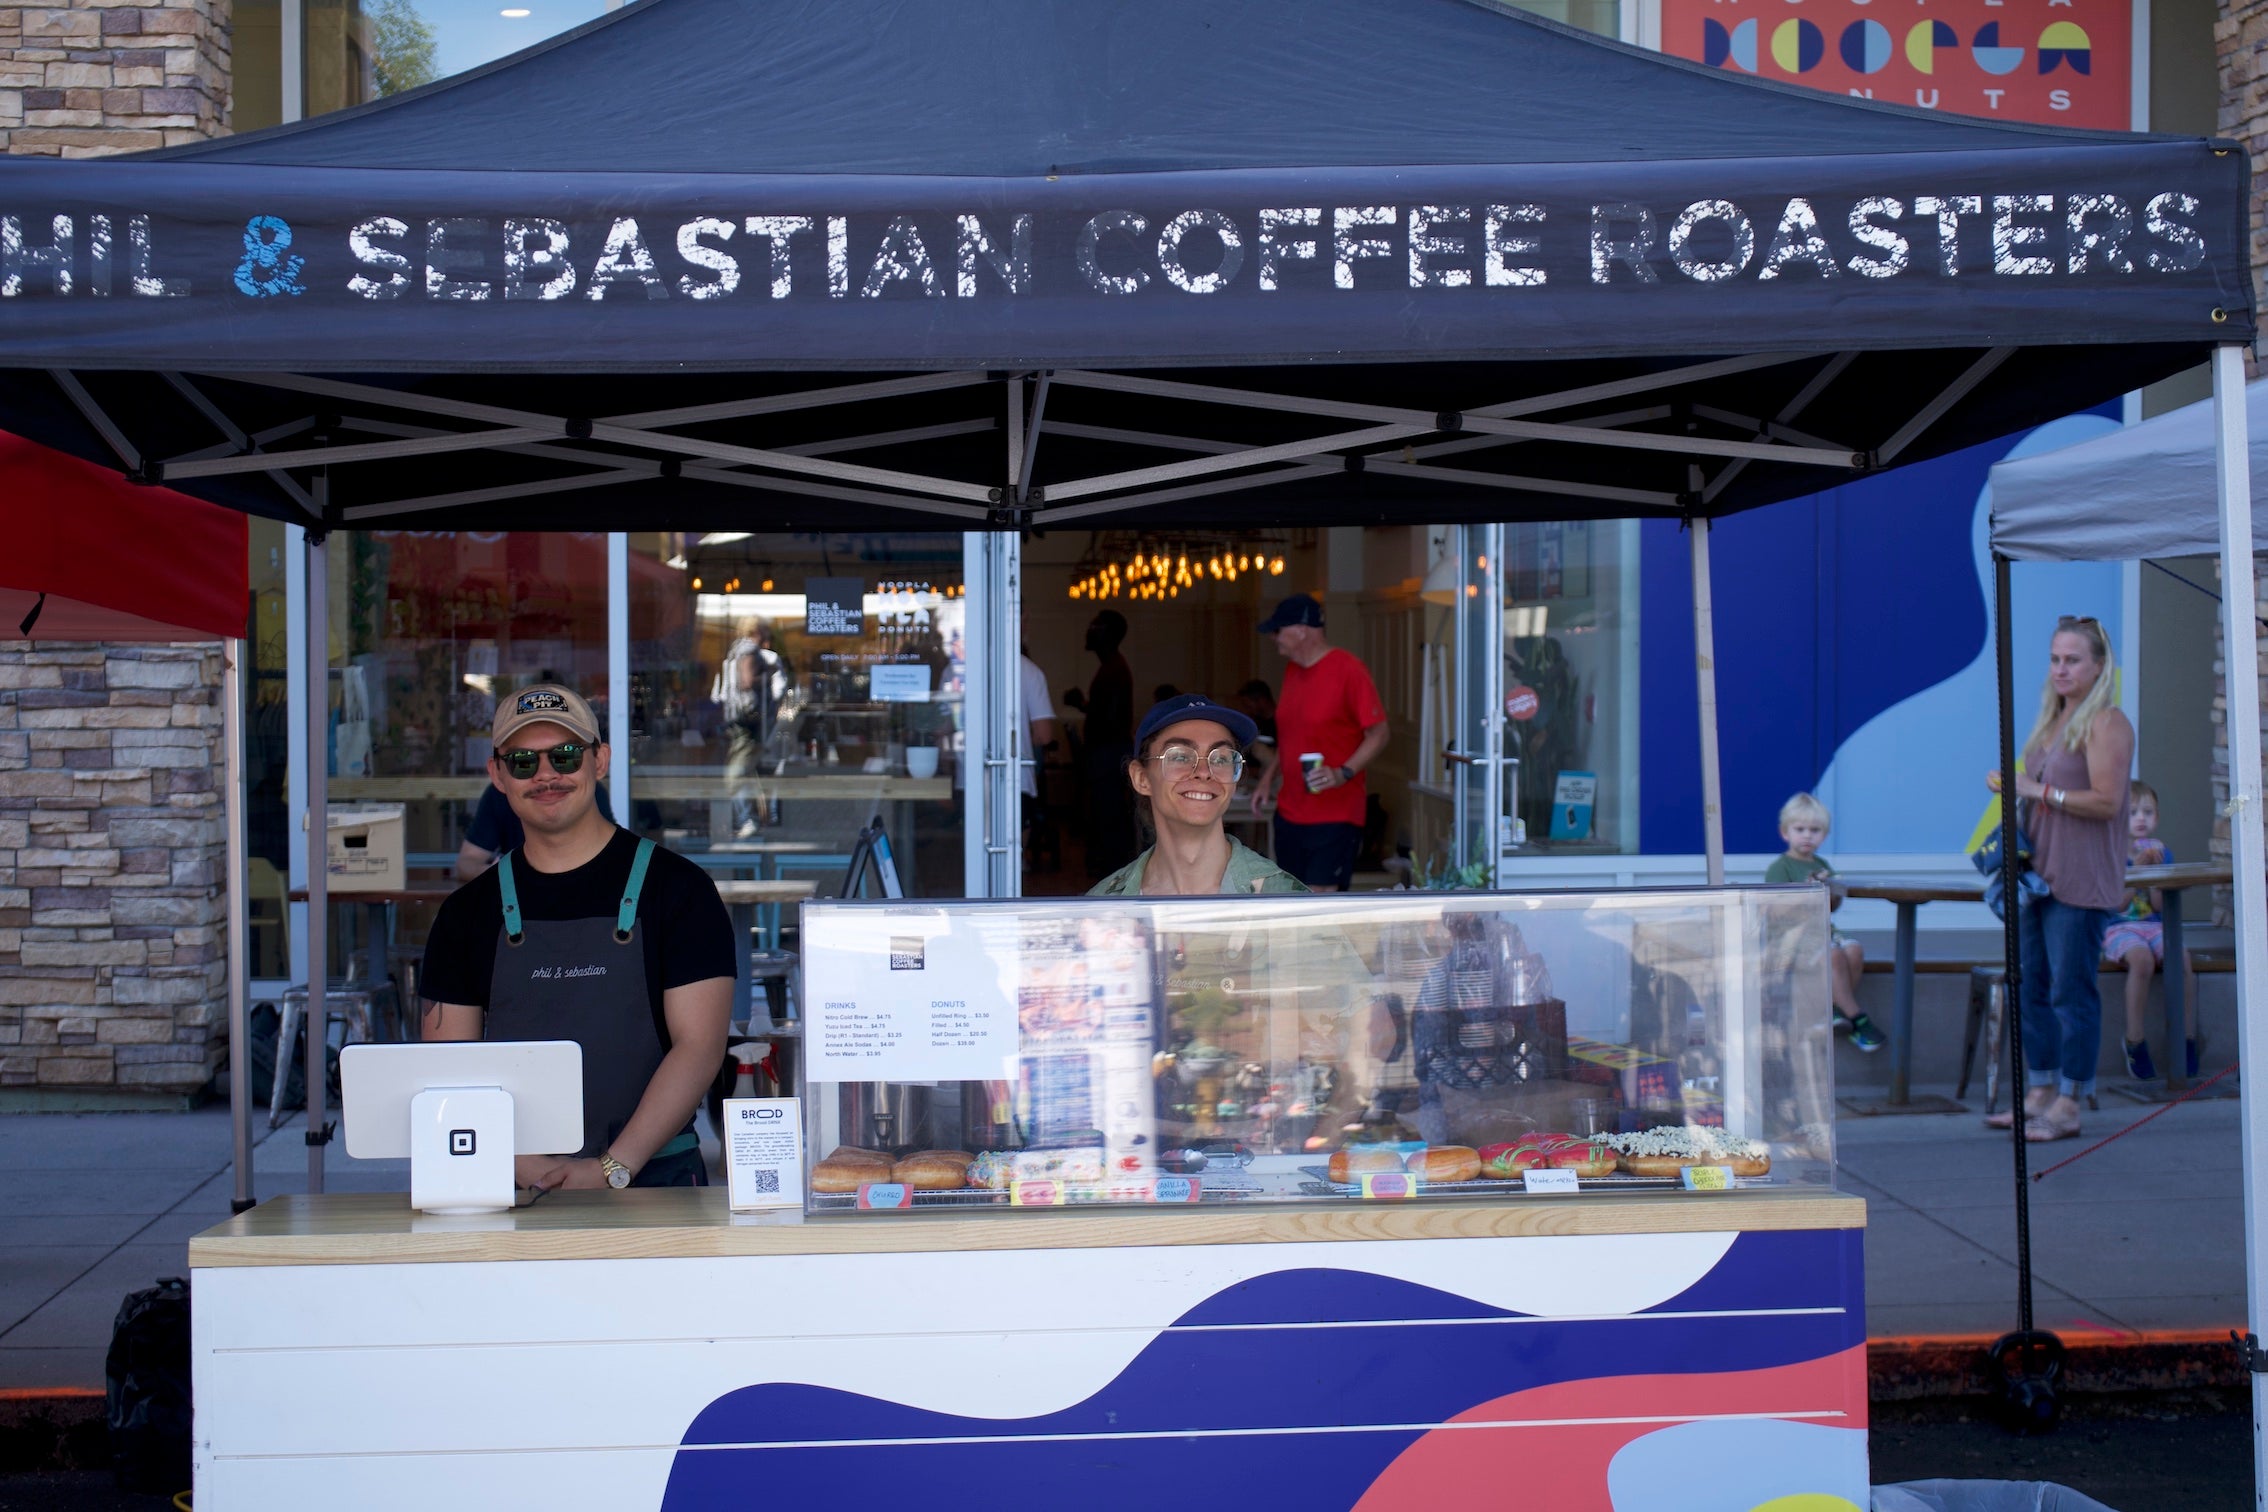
{"x":544,"y":703}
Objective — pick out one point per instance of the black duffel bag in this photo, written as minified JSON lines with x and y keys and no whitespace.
{"x":146,"y":1379}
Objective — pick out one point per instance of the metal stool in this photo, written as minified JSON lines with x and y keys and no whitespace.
{"x":348,"y":1008}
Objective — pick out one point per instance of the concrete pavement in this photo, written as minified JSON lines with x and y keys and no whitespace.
{"x":2143,"y":1237}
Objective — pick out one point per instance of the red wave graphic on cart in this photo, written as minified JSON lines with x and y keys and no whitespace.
{"x":1448,"y":1466}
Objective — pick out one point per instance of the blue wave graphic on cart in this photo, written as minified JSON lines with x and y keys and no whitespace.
{"x":1221,"y":1409}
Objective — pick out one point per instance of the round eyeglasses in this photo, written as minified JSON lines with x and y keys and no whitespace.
{"x":1223,"y":766}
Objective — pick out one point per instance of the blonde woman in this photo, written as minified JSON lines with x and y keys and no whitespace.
{"x":2074,"y":778}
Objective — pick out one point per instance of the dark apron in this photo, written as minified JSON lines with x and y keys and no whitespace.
{"x":583,"y":980}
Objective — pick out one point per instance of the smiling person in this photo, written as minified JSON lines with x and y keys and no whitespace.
{"x":1187,"y":758}
{"x":588,"y":933}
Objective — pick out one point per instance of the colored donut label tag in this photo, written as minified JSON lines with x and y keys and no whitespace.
{"x":1176,"y":1189}
{"x":1389,"y":1184}
{"x":1037,"y":1194}
{"x":1708,"y":1178}
{"x":1541,"y":1180}
{"x":885,"y":1194}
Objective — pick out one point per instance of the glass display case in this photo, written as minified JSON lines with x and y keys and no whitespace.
{"x":1384,"y":1046}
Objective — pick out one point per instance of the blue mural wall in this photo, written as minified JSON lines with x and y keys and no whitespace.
{"x":1854,"y":656}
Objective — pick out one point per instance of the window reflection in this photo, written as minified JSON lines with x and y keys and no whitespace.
{"x":788,"y":689}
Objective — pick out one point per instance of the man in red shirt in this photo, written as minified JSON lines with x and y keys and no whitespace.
{"x":1330,"y":725}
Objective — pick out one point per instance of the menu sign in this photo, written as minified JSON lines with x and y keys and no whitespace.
{"x":909,"y":994}
{"x":834,"y":606}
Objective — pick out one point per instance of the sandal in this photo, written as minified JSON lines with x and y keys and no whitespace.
{"x":2007,"y":1118}
{"x":2040,"y":1130}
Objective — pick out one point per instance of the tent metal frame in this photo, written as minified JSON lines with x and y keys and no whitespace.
{"x":648,"y":444}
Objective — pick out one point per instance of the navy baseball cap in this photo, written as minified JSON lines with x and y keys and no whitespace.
{"x":1299,"y":609}
{"x":1197,"y":706}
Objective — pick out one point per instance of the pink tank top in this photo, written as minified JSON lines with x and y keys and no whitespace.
{"x":2083,"y":861}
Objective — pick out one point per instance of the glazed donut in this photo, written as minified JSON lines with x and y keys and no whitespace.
{"x":1507,"y":1161}
{"x":933,"y":1170}
{"x":1348,"y":1167}
{"x":1583,"y":1158}
{"x":1445,"y":1163}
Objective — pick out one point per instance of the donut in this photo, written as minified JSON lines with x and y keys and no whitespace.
{"x":1583,"y":1158}
{"x":933,"y":1170}
{"x":1348,"y":1167}
{"x":1445,"y":1163}
{"x":991,"y":1171}
{"x":848,"y":1169}
{"x":1506,"y":1161}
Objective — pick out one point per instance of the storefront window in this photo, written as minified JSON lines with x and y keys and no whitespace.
{"x":1571,"y":682}
{"x":789,"y":689}
{"x":428,"y":630}
{"x":357,"y":51}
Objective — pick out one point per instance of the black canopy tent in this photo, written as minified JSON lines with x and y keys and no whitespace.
{"x":1010,"y":265}
{"x":1334,"y":259}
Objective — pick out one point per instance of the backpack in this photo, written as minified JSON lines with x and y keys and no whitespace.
{"x":146,"y":1382}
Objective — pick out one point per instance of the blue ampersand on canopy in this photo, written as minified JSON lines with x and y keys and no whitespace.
{"x":265,"y":269}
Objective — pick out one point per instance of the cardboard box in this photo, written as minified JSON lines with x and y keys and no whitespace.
{"x":366,"y":848}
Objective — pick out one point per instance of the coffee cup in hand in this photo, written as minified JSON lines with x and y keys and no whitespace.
{"x":1310,"y":763}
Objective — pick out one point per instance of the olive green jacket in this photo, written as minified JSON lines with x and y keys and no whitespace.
{"x":1248,"y":872}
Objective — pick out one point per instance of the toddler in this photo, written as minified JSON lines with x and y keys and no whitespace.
{"x":2136,"y":938}
{"x":1803,"y":825}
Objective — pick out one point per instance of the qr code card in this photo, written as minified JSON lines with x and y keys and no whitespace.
{"x":763,"y":1144}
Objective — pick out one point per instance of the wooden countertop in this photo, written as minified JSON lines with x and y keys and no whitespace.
{"x":380,"y":1229}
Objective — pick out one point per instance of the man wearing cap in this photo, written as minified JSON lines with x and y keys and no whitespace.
{"x":588,"y":933}
{"x":1188,"y":755}
{"x":1330,"y":725}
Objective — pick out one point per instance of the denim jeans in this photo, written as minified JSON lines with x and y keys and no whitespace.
{"x":2063,"y":1013}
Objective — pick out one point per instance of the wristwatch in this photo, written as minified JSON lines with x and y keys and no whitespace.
{"x":617,"y":1174}
{"x":1346,"y":774}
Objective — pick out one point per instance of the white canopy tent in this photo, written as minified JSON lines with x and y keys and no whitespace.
{"x":2182,"y":485}
{"x":2146,"y":491}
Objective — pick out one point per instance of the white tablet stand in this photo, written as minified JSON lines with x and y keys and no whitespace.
{"x":461,"y":1112}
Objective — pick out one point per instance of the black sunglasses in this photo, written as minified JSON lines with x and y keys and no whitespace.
{"x":566,"y":760}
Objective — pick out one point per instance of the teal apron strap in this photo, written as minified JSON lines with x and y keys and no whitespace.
{"x":514,"y":930}
{"x":627,"y":914}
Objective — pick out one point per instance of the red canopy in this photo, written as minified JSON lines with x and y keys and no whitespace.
{"x":116,"y":561}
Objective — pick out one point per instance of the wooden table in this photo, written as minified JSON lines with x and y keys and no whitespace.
{"x":1908,"y":898}
{"x":2171,"y":882}
{"x":379,"y":917}
{"x":752,"y":902}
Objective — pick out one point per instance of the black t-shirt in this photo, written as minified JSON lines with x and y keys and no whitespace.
{"x":682,"y":924}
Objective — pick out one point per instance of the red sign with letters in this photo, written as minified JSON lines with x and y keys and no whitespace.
{"x":2056,"y":62}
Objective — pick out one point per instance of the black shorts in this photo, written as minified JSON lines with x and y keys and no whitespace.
{"x":1321,"y":855}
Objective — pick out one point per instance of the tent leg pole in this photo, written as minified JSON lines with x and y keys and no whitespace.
{"x":2012,"y":962}
{"x":232,"y":892}
{"x":1705,"y":672}
{"x":2241,"y":683}
{"x":317,"y":1021}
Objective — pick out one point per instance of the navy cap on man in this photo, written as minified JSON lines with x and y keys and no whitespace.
{"x":1299,"y":609}
{"x":1188,"y":706}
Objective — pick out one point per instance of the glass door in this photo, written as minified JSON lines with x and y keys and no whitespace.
{"x":1475,"y":756}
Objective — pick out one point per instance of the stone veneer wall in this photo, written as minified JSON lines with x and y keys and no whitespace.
{"x":101,"y":77}
{"x":112,"y":969}
{"x":112,"y":946}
